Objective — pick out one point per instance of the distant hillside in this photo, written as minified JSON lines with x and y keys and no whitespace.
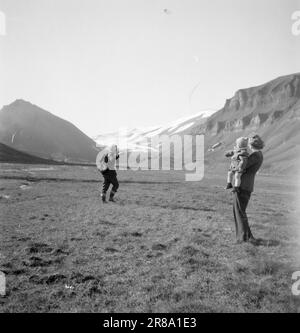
{"x":271,"y":110}
{"x":26,"y":127}
{"x":10,"y":155}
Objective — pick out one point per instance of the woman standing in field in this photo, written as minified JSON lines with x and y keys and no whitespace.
{"x":242,"y":197}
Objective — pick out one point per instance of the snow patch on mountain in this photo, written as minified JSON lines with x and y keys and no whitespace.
{"x":183,"y":128}
{"x":137,"y":139}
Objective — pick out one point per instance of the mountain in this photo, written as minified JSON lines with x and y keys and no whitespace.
{"x":272,"y":110}
{"x":10,"y":155}
{"x":26,"y":127}
{"x":134,"y":139}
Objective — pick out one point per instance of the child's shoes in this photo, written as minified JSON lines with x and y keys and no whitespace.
{"x":228,"y":186}
{"x":236,"y":190}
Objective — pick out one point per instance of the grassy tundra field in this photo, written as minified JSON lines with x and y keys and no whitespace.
{"x":166,"y":246}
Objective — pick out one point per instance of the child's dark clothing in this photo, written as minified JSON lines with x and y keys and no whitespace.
{"x":110,"y":177}
{"x":109,"y":174}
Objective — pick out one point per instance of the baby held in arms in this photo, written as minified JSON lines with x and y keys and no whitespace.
{"x":239,"y":156}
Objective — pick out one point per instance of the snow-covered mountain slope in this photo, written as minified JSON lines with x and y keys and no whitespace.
{"x":135,"y":139}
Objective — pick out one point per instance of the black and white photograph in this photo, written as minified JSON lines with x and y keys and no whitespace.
{"x":149,"y":159}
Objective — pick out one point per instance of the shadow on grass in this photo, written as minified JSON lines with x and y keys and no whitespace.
{"x":267,"y":242}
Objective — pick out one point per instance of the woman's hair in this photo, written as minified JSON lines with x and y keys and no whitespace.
{"x":256,"y":142}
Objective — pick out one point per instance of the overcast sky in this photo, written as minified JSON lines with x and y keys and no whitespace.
{"x":106,"y":64}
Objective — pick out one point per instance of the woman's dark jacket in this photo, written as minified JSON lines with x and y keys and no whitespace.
{"x":255,"y":161}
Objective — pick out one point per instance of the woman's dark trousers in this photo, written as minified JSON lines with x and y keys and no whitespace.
{"x":240,"y":203}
